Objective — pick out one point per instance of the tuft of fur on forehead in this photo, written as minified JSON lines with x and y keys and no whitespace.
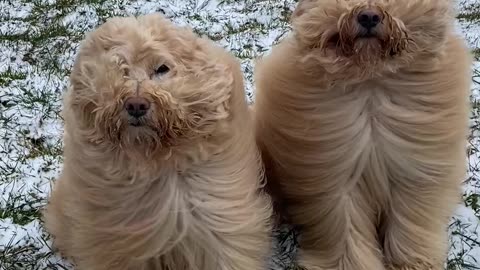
{"x":120,"y":60}
{"x":329,"y":34}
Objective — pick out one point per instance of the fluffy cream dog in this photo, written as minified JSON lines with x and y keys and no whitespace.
{"x":362,"y":117}
{"x":161,"y":167}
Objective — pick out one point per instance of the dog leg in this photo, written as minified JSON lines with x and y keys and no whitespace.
{"x":58,"y":224}
{"x":243,"y":242}
{"x":237,"y":256}
{"x":342,"y":237}
{"x":415,"y":231}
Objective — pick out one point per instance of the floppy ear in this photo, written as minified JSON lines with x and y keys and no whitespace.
{"x":302,"y":7}
{"x":80,"y":97}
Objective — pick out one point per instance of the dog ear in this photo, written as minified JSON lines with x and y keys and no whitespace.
{"x":302,"y":7}
{"x":82,"y":91}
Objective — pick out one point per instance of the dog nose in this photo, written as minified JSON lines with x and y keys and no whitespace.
{"x":137,"y":106}
{"x":369,"y":18}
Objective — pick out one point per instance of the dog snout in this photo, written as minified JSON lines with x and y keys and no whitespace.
{"x":369,"y":18}
{"x":137,"y":106}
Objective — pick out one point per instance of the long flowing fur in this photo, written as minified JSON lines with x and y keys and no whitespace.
{"x":364,"y":141}
{"x":181,"y":192}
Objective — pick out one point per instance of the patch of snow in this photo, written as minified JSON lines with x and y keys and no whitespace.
{"x":12,"y":234}
{"x":83,"y":18}
{"x":12,"y":55}
{"x":16,"y":9}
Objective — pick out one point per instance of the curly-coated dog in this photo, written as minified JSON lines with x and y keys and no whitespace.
{"x":161,"y":170}
{"x":362,"y":119}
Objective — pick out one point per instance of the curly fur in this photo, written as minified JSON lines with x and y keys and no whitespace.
{"x":364,"y":138}
{"x":180,"y":191}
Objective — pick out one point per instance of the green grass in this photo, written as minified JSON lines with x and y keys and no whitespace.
{"x":471,"y":13}
{"x":19,"y":211}
{"x":8,"y":76}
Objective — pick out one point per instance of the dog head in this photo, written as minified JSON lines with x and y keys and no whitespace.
{"x":144,"y":83}
{"x":368,"y":37}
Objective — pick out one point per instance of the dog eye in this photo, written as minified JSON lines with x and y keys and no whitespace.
{"x":162,"y":70}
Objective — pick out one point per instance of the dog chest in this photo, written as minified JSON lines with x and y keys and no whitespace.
{"x":367,"y":135}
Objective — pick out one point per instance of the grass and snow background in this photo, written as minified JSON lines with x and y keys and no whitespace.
{"x":38,"y":42}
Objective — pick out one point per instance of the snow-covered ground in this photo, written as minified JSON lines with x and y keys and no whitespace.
{"x":38,"y":42}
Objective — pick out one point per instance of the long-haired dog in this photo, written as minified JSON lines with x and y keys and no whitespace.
{"x":161,"y":166}
{"x":362,"y":118}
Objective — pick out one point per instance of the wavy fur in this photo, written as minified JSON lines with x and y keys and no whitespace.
{"x":364,"y":139}
{"x":180,"y":192}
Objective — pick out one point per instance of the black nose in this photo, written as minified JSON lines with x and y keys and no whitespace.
{"x":137,"y":106}
{"x":369,"y":18}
